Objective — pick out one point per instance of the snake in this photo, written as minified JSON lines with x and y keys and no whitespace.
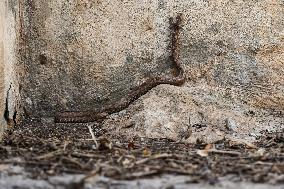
{"x":177,"y":80}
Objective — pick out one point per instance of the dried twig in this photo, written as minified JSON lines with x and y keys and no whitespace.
{"x":159,"y":156}
{"x":93,"y":135}
{"x":234,"y":153}
{"x":17,"y":162}
{"x":86,"y":155}
{"x":178,"y":171}
{"x":49,"y":155}
{"x":73,"y":161}
{"x":136,"y":175}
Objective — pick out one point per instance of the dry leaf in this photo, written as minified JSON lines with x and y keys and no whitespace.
{"x":147,"y":152}
{"x":131,"y":146}
{"x":202,"y":153}
{"x":205,"y":152}
{"x":260,"y":152}
{"x":209,"y":146}
{"x":126,"y":162}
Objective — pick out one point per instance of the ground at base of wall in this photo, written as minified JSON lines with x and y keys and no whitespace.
{"x":99,"y":182}
{"x":48,"y":151}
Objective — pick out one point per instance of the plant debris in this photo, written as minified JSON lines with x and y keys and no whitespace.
{"x":52,"y":149}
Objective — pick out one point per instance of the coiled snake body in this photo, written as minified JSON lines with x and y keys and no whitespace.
{"x":95,"y":115}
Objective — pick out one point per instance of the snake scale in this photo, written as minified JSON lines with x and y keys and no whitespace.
{"x":148,"y":84}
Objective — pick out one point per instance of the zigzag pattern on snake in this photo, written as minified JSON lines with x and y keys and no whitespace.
{"x":95,"y":115}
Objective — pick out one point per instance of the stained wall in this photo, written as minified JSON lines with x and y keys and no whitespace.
{"x":81,"y":54}
{"x":8,"y":60}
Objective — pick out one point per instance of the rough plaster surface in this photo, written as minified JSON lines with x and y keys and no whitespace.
{"x":81,"y":54}
{"x":89,"y":52}
{"x":2,"y":92}
{"x":8,"y":59}
{"x":166,"y":110}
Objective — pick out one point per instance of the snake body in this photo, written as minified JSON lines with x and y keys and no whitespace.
{"x":148,"y":84}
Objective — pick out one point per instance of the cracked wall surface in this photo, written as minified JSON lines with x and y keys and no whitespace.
{"x":2,"y":96}
{"x":89,"y":52}
{"x":8,"y":62}
{"x":81,"y":54}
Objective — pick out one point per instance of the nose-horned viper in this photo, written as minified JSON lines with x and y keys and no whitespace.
{"x":179,"y":79}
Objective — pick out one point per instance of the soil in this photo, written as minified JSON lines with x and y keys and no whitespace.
{"x":52,"y":149}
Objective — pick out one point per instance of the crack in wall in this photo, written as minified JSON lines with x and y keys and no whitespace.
{"x":10,"y":115}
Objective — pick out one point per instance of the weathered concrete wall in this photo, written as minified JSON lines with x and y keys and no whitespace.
{"x":2,"y":92}
{"x":8,"y":60}
{"x":82,"y":54}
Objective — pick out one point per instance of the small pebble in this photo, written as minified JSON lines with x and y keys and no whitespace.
{"x":253,"y":135}
{"x":231,"y":124}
